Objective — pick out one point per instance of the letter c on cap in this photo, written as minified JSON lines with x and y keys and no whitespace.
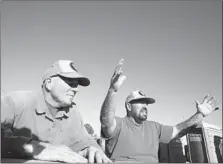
{"x":141,"y":93}
{"x":73,"y":66}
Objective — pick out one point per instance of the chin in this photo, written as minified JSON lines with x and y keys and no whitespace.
{"x":143,"y":118}
{"x":67,"y":103}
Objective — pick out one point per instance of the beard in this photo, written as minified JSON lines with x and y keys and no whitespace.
{"x":143,"y":114}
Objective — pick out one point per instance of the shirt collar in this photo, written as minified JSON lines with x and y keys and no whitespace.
{"x":133,"y":123}
{"x":42,"y":108}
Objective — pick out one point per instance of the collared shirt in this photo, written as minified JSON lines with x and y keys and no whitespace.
{"x":139,"y":143}
{"x":25,"y":114}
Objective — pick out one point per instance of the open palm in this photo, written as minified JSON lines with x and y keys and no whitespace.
{"x":118,"y":77}
{"x":208,"y":105}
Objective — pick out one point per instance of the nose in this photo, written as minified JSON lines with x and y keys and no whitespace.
{"x":145,"y":106}
{"x":75,"y":89}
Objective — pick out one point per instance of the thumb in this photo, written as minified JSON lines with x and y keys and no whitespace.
{"x":122,"y":78}
{"x":217,"y":108}
{"x":197,"y":103}
{"x":83,"y":153}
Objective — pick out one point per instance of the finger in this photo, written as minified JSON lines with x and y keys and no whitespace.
{"x":117,"y":69}
{"x":216,"y":108}
{"x":115,"y":78}
{"x":106,"y":159}
{"x":91,"y":155}
{"x":123,"y":78}
{"x":119,"y":66}
{"x":205,"y":98}
{"x":210,"y":99}
{"x":83,"y":153}
{"x":110,"y":161}
{"x":121,"y":61}
{"x":197,"y":103}
{"x":98,"y":157}
{"x":118,"y":73}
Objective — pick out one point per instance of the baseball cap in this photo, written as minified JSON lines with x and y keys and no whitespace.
{"x":138,"y":95}
{"x":66,"y":68}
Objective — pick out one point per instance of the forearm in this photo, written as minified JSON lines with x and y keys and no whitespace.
{"x":107,"y":115}
{"x":183,"y":128}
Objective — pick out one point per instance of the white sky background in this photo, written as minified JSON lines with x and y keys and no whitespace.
{"x":172,"y":51}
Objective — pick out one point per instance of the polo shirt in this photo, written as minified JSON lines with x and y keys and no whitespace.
{"x":133,"y":142}
{"x":25,"y":116}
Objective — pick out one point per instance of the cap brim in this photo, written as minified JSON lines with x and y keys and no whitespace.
{"x":148,"y":99}
{"x":83,"y":81}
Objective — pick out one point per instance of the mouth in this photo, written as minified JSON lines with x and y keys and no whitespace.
{"x":144,"y":110}
{"x":71,"y":96}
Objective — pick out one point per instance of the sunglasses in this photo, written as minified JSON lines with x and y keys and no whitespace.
{"x":70,"y":81}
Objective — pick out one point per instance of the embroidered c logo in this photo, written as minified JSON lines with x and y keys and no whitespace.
{"x":141,"y":93}
{"x":73,"y":66}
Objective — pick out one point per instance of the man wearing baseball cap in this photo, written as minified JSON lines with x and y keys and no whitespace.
{"x":46,"y":125}
{"x":133,"y":138}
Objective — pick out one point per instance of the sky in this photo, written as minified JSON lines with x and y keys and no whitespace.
{"x":172,"y":51}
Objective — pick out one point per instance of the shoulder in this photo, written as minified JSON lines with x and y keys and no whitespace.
{"x":153,"y":125}
{"x":119,"y":120}
{"x":18,"y":96}
{"x":18,"y":99}
{"x":14,"y":103}
{"x":74,"y":112}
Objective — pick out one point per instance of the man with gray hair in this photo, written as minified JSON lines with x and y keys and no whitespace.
{"x":46,"y":125}
{"x":133,"y":138}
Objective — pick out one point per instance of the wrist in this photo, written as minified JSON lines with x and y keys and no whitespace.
{"x":200,"y":114}
{"x":112,"y":91}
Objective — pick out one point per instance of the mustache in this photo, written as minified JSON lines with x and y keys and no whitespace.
{"x":143,"y":109}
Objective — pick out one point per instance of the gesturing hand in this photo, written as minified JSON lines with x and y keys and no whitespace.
{"x":208,"y":105}
{"x":94,"y":154}
{"x":118,"y":77}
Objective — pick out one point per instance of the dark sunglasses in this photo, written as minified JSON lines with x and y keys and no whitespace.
{"x":70,"y":81}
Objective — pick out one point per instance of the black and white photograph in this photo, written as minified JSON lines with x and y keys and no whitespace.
{"x":111,"y":81}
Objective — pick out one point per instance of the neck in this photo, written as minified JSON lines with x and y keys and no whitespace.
{"x":136,"y":122}
{"x":53,"y":106}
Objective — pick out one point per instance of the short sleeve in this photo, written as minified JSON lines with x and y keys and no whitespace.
{"x":165,"y":132}
{"x":7,"y":111}
{"x":12,"y":105}
{"x":116,"y":131}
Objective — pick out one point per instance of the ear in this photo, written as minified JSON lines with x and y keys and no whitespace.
{"x":48,"y":85}
{"x":128,"y":105}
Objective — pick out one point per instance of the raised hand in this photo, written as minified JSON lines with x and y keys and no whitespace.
{"x":208,"y":105}
{"x":118,"y":77}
